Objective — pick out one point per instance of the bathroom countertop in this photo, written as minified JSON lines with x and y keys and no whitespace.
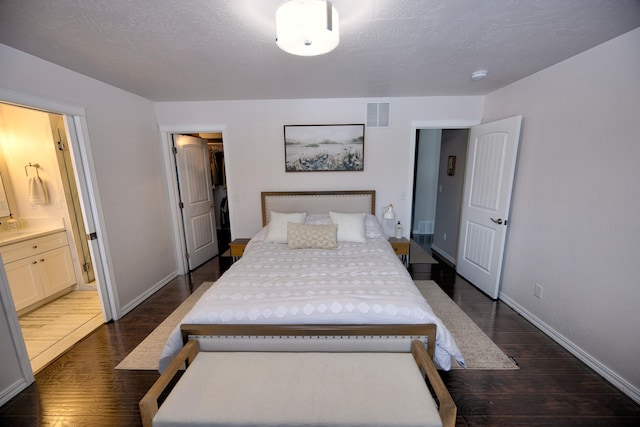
{"x":9,"y":237}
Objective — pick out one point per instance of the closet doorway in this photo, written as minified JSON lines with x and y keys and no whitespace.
{"x":219,"y":184}
{"x":202,"y":195}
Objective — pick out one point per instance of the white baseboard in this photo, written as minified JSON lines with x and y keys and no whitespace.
{"x":13,"y":390}
{"x":443,"y":254}
{"x":155,"y":288}
{"x":619,"y":382}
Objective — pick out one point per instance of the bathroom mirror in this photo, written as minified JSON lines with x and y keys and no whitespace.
{"x":4,"y":203}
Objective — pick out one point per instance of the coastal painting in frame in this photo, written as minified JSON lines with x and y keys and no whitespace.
{"x":315,"y":148}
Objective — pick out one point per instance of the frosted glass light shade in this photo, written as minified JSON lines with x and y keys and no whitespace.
{"x":307,"y":27}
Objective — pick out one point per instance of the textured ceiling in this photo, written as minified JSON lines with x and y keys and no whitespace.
{"x":169,"y":50}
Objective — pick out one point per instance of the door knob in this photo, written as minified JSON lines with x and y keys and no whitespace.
{"x":497,"y":221}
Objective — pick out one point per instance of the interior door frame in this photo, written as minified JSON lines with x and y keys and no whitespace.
{"x":183,"y":146}
{"x":75,"y":119}
{"x":428,"y":124}
{"x":78,"y":136}
{"x":171,"y":174}
{"x":25,"y":376}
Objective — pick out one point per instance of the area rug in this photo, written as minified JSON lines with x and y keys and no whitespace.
{"x":478,"y":349}
{"x":147,"y":354}
{"x":419,"y":255}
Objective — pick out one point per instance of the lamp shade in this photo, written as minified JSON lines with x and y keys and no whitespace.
{"x":389,"y":213}
{"x":307,"y":27}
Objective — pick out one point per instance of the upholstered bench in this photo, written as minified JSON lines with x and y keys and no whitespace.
{"x":300,"y":388}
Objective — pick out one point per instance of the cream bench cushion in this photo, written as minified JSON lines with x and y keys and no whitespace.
{"x":288,"y":389}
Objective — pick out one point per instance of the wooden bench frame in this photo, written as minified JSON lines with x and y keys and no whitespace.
{"x":216,"y":330}
{"x":423,"y":357}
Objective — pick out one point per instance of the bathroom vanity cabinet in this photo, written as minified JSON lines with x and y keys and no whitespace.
{"x":39,"y":268}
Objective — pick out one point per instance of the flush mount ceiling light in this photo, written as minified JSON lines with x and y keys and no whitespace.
{"x":479,"y":75}
{"x":307,"y":27}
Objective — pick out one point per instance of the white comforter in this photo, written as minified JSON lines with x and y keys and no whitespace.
{"x":358,"y":283}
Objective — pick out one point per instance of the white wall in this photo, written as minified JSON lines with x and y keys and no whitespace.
{"x":254,"y":147}
{"x":574,"y":223}
{"x":128,"y":167}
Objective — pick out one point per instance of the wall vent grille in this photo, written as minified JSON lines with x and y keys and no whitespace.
{"x":378,"y":115}
{"x":425,"y":227}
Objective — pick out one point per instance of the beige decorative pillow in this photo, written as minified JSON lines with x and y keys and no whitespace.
{"x":304,"y":236}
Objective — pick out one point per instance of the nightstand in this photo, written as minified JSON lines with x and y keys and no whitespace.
{"x":237,"y":248}
{"x":401,"y":247}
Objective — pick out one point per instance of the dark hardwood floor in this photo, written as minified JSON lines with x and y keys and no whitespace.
{"x":551,"y":388}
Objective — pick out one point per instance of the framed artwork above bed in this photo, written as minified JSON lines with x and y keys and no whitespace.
{"x":324,"y":148}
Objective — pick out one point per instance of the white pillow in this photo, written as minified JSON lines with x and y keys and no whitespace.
{"x":373,"y":228}
{"x":277,"y":232}
{"x":318,"y":219}
{"x":351,"y":226}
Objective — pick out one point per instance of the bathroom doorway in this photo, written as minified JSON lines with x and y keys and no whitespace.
{"x":65,"y":305}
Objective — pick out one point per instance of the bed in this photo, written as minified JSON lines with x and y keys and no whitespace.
{"x":290,"y":274}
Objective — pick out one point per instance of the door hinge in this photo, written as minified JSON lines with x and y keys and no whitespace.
{"x":92,"y":236}
{"x":175,"y":150}
{"x":86,"y":267}
{"x":181,"y":205}
{"x":60,"y":144}
{"x":187,"y":255}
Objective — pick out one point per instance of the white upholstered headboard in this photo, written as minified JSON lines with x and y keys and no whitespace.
{"x":317,"y":202}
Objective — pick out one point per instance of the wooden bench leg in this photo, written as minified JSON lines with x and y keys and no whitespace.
{"x":446,"y":405}
{"x":149,"y":403}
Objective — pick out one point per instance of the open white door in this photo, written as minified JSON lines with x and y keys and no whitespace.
{"x":194,"y":183}
{"x":491,"y":162}
{"x":77,"y":132}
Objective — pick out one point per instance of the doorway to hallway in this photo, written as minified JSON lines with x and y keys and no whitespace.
{"x":437,"y":195}
{"x":479,"y":212}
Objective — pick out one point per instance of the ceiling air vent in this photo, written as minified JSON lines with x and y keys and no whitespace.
{"x":378,"y":114}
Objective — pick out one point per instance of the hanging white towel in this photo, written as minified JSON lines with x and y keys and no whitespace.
{"x":38,"y":191}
